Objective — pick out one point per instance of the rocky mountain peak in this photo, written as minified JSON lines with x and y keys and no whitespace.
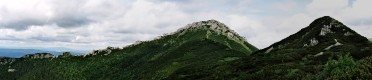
{"x":327,"y":28}
{"x":209,"y":24}
{"x":321,"y":33}
{"x":213,"y":25}
{"x":327,"y":25}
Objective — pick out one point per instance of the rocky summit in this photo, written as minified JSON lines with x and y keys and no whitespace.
{"x":217,"y":31}
{"x":214,"y":25}
{"x":325,"y":34}
{"x":313,"y":52}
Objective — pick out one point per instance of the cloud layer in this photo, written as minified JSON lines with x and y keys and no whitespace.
{"x":95,"y":24}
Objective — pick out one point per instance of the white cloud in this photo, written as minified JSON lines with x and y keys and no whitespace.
{"x":110,"y":23}
{"x":356,"y":15}
{"x":286,"y":6}
{"x":95,"y":24}
{"x":326,"y":7}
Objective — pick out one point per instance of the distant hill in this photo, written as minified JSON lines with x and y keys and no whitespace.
{"x":63,"y":49}
{"x":370,"y":39}
{"x":17,"y":53}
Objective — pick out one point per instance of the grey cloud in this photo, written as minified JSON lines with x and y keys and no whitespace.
{"x":136,"y":30}
{"x":70,"y":14}
{"x":361,"y":22}
{"x":124,"y":31}
{"x":64,"y":22}
{"x":194,"y":6}
{"x":11,"y":38}
{"x":22,"y":24}
{"x":51,"y":39}
{"x":162,"y":25}
{"x":68,"y":22}
{"x":37,"y":38}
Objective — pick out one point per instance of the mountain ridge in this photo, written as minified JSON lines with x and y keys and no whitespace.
{"x":318,"y":51}
{"x":190,"y":48}
{"x":199,"y":45}
{"x":17,"y":53}
{"x":326,"y":49}
{"x":212,"y":28}
{"x":324,"y":30}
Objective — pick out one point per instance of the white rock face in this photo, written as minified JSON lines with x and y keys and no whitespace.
{"x":271,"y":48}
{"x":337,"y":44}
{"x":230,"y":35}
{"x":38,"y":56}
{"x":313,"y":42}
{"x":11,"y":70}
{"x":348,"y":33}
{"x":212,"y":25}
{"x":106,"y":51}
{"x":326,"y":30}
{"x":82,"y":55}
{"x":136,"y":43}
{"x":305,"y":45}
{"x":321,"y":53}
{"x":329,"y":47}
{"x":6,"y":61}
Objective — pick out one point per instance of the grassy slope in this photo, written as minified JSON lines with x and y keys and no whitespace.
{"x":168,"y":57}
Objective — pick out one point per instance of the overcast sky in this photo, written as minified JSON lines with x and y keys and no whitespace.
{"x":96,"y":24}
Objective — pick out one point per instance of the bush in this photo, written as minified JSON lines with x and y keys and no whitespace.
{"x":344,"y":68}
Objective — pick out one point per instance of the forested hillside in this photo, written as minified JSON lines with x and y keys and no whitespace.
{"x":326,"y":49}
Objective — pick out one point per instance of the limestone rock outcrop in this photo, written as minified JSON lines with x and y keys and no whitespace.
{"x":39,"y":56}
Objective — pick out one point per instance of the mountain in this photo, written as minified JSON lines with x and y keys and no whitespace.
{"x":21,"y":51}
{"x":191,"y":52}
{"x":63,"y":49}
{"x":321,"y":50}
{"x":324,"y":35}
{"x":17,"y":53}
{"x":38,"y":55}
{"x":326,"y":49}
{"x":370,"y":39}
{"x":218,"y":32}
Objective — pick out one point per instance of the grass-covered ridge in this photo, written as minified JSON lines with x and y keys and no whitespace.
{"x":170,"y":56}
{"x":326,"y":49}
